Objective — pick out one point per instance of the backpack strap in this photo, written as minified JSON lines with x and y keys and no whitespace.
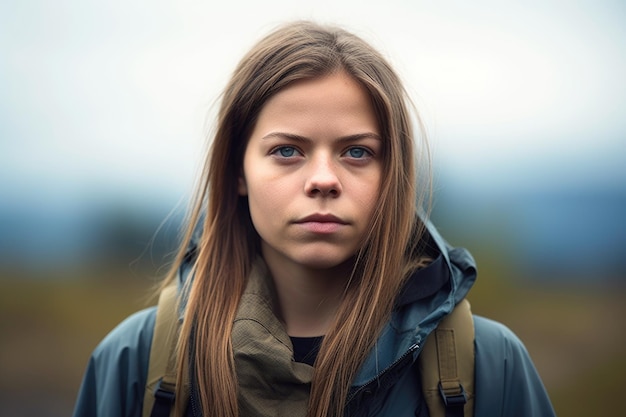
{"x":161,"y":382}
{"x":446,"y":365}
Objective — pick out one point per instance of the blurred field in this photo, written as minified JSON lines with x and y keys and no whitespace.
{"x":574,"y":333}
{"x":49,"y":327}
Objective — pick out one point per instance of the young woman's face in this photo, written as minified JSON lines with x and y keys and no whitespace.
{"x":312,"y":171}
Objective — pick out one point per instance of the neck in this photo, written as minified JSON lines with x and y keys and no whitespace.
{"x":307,"y":298}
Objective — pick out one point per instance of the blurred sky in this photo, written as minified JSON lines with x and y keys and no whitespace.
{"x":115,"y":94}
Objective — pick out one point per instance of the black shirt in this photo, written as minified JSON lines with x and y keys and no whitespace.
{"x":305,"y":349}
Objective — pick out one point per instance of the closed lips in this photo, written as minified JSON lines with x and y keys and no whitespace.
{"x":322,"y":218}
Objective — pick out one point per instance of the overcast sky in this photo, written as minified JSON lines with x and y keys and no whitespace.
{"x":116,"y":93}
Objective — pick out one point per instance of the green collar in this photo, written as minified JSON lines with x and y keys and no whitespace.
{"x":270,"y":382}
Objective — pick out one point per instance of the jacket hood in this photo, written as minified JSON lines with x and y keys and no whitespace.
{"x":451,"y":268}
{"x":429,"y":294}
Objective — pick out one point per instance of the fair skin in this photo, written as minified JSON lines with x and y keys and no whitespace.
{"x":311,"y":173}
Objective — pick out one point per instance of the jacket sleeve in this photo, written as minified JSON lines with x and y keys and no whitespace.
{"x":507,"y":383}
{"x":114,"y":382}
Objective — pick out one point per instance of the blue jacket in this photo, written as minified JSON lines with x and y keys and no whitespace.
{"x":506,"y":381}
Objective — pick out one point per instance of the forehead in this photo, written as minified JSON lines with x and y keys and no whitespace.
{"x":332,"y":100}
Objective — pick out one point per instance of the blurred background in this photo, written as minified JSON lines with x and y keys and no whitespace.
{"x":104,"y":111}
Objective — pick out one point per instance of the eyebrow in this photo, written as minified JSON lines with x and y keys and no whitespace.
{"x":299,"y":138}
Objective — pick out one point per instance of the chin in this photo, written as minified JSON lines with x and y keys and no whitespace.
{"x":322,"y":261}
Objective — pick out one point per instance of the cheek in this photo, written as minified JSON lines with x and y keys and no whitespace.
{"x":266,"y":214}
{"x":367,"y":193}
{"x":265,"y":202}
{"x":368,"y":205}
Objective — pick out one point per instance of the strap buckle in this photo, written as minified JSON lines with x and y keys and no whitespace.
{"x":165,"y":391}
{"x":453,"y":399}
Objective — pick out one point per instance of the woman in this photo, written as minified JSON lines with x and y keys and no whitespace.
{"x":310,"y":280}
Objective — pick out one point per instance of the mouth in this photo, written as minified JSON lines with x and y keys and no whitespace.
{"x":322,"y":218}
{"x":321,"y":224}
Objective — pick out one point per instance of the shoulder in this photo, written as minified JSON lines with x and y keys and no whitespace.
{"x":131,"y":336}
{"x":492,"y":335}
{"x":507,"y":382}
{"x":114,"y":381}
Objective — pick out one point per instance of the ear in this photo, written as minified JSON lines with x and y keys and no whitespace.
{"x":242,"y":187}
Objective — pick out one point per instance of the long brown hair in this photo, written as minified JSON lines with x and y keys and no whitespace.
{"x":228,"y":242}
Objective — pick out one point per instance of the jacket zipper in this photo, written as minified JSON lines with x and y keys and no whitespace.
{"x":398,"y":361}
{"x":194,"y":407}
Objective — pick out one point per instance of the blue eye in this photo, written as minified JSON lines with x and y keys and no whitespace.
{"x":286,"y":151}
{"x":357,"y":153}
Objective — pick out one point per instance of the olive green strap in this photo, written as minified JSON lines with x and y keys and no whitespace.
{"x":161,"y":381}
{"x":446,"y":365}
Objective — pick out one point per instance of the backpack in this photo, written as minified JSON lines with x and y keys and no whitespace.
{"x":446,"y":363}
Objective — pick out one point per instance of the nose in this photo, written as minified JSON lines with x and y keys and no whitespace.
{"x":322,"y":179}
